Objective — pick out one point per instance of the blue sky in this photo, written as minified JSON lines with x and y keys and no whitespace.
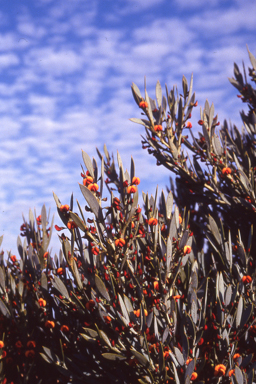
{"x":66,"y":68}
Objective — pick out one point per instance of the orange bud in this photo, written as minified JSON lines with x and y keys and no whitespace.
{"x":246,"y":279}
{"x":189,"y":124}
{"x":180,"y":219}
{"x":30,"y":353}
{"x":194,"y":376}
{"x":64,"y":328}
{"x":156,"y":285}
{"x":13,"y":258}
{"x":60,"y":271}
{"x":231,"y":372}
{"x":1,"y":344}
{"x":31,"y":344}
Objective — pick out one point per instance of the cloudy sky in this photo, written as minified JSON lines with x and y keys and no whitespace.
{"x":66,"y":68}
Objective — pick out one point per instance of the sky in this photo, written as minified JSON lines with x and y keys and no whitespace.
{"x":66,"y":69}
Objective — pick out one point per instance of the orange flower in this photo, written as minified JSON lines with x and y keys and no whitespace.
{"x":189,"y":124}
{"x":46,"y":255}
{"x":180,"y":219}
{"x":120,"y":242}
{"x":90,"y":304}
{"x":152,"y":221}
{"x":219,"y":370}
{"x":64,"y":328}
{"x":42,"y":302}
{"x":194,"y":376}
{"x":187,"y":249}
{"x":188,"y":360}
{"x":60,"y":271}
{"x":64,"y":208}
{"x":71,"y":225}
{"x":156,"y":285}
{"x":226,"y":171}
{"x":246,"y":279}
{"x":87,"y":181}
{"x":30,"y":353}
{"x":13,"y":258}
{"x":93,"y":187}
{"x":95,"y":250}
{"x":107,"y":319}
{"x":236,"y":356}
{"x":177,"y":297}
{"x":31,"y":344}
{"x":1,"y":344}
{"x":158,"y":128}
{"x":135,"y":180}
{"x":231,"y":372}
{"x":137,"y":313}
{"x":166,"y":354}
{"x":131,"y":189}
{"x":143,"y":104}
{"x":49,"y":324}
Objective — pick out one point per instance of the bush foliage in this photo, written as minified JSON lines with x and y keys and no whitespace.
{"x":159,"y":294}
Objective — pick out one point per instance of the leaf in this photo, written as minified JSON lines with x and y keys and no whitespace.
{"x":252,"y":59}
{"x":101,"y":288}
{"x":169,"y":205}
{"x":142,"y":359}
{"x":228,"y":294}
{"x":123,"y":308}
{"x":113,"y":356}
{"x":93,"y":203}
{"x":5,"y":311}
{"x":59,"y":285}
{"x":177,"y":380}
{"x":136,"y":93}
{"x":246,"y":315}
{"x":104,"y":337}
{"x":239,"y":312}
{"x":158,"y":93}
{"x":57,"y":200}
{"x":88,"y":163}
{"x":190,"y":369}
{"x":179,"y":356}
{"x":81,"y":225}
{"x":1,"y":239}
{"x":214,"y":229}
{"x":239,"y":375}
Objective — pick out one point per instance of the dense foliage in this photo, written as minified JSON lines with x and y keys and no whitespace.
{"x":159,"y":294}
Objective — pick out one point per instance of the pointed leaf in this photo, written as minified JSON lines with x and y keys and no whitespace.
{"x":101,"y":288}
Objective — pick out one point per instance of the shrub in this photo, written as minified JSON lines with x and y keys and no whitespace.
{"x":155,"y":295}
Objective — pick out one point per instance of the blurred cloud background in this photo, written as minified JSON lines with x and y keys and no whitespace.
{"x":66,"y":68}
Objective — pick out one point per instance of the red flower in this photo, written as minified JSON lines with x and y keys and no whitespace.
{"x":13,"y":258}
{"x":158,"y":128}
{"x":189,"y":124}
{"x":1,"y":344}
{"x":231,"y":372}
{"x":60,"y":271}
{"x":90,"y":304}
{"x":31,"y":344}
{"x":18,"y":344}
{"x":200,"y":122}
{"x":30,"y":353}
{"x":194,"y":376}
{"x":201,"y":341}
{"x":156,"y":285}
